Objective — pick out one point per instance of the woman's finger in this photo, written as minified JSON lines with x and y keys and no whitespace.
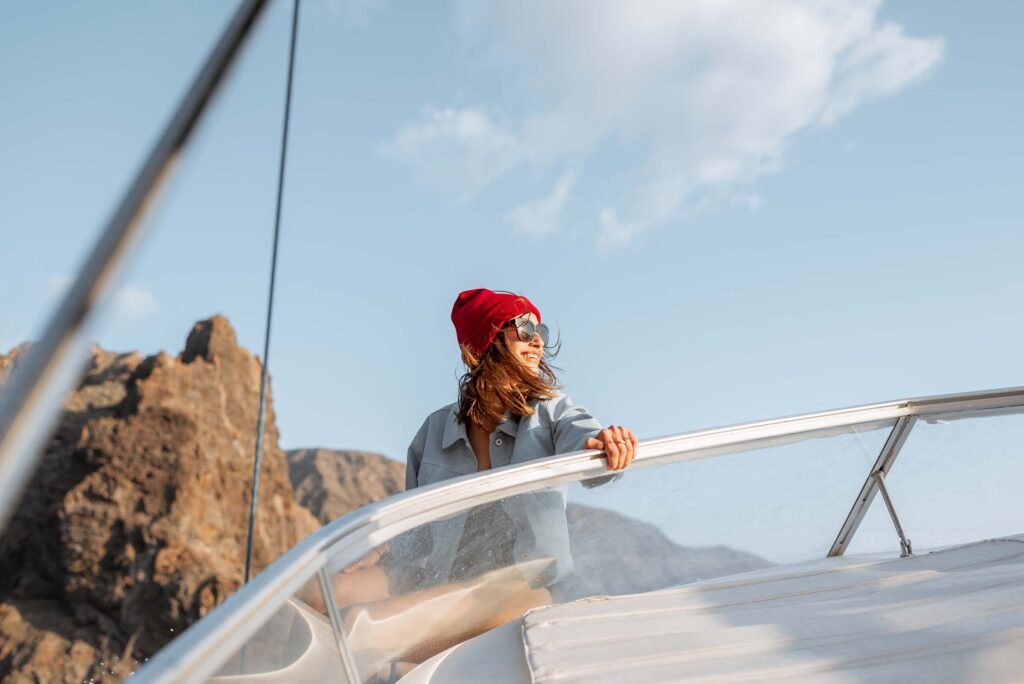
{"x":631,"y":444}
{"x":611,"y":449}
{"x":620,"y":434}
{"x":617,"y":440}
{"x":625,"y":453}
{"x":593,"y":443}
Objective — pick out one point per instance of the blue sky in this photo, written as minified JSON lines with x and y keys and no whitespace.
{"x":731,"y":211}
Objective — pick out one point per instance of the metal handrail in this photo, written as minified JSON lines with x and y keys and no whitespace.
{"x":201,"y":649}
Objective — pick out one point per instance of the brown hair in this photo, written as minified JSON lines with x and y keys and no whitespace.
{"x":498,"y":382}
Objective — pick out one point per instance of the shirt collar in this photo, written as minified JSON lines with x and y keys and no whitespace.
{"x":510,"y":425}
{"x":453,"y":429}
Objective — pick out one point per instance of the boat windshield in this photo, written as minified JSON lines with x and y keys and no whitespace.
{"x":406,"y":580}
{"x":957,"y":480}
{"x":651,"y":527}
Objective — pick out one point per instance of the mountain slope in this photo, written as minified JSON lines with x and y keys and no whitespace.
{"x":331,"y":483}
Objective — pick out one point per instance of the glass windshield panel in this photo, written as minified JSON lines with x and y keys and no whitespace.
{"x":720,"y":516}
{"x":958,"y":479}
{"x":297,"y":644}
{"x":648,"y":528}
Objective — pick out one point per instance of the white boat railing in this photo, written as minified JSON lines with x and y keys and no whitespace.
{"x":202,"y":649}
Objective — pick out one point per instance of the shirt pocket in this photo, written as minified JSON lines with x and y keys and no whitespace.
{"x":431,"y":472}
{"x":533,"y":443}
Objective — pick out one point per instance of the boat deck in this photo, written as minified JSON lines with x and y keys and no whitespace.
{"x":952,"y":615}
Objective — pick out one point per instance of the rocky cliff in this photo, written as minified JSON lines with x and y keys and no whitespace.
{"x":134,"y":527}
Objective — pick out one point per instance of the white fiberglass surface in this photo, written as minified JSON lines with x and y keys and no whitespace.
{"x":957,"y":479}
{"x":652,"y":527}
{"x":296,"y":644}
{"x":955,"y":615}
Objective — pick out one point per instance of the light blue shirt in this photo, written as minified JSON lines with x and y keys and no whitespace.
{"x":441,"y":450}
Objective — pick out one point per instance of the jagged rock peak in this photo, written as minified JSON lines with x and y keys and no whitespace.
{"x":209,"y":339}
{"x":134,"y":527}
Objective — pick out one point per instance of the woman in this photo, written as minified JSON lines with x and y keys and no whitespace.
{"x":501,"y":559}
{"x":508,"y":379}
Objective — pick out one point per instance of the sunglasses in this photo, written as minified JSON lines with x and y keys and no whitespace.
{"x":526,"y":329}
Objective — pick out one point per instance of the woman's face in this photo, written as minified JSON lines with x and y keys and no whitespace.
{"x":528,"y":352}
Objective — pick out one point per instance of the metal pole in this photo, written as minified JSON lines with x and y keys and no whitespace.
{"x":258,"y":456}
{"x":31,"y":400}
{"x":348,"y":661}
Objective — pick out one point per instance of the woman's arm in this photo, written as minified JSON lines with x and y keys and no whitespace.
{"x":573,"y":429}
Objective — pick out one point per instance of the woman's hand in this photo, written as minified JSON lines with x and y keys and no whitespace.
{"x":369,"y":559}
{"x":618,"y":443}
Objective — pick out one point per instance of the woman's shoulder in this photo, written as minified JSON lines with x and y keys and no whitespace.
{"x":441,"y":415}
{"x":434,"y":424}
{"x":555,"y":405}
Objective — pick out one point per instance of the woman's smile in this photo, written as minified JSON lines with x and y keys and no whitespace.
{"x":530,"y":351}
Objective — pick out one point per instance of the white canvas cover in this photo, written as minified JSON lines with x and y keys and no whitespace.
{"x":953,"y":615}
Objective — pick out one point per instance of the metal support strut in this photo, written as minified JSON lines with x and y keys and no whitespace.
{"x":883,"y":464}
{"x":905,"y":548}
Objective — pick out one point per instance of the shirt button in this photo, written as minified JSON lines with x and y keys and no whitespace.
{"x":497,"y":441}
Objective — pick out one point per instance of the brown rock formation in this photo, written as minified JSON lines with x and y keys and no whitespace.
{"x":331,"y":483}
{"x":134,"y":527}
{"x":9,"y":360}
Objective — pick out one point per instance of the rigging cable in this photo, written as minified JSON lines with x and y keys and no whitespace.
{"x":258,"y":456}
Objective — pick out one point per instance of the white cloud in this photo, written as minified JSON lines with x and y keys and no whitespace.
{"x":129,"y":304}
{"x":459,"y":150}
{"x":881,"y":64}
{"x":614,"y":233}
{"x":543,"y":216}
{"x":132,"y":303}
{"x":707,"y":95}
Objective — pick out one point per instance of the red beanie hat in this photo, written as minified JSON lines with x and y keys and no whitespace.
{"x":479,"y":314}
